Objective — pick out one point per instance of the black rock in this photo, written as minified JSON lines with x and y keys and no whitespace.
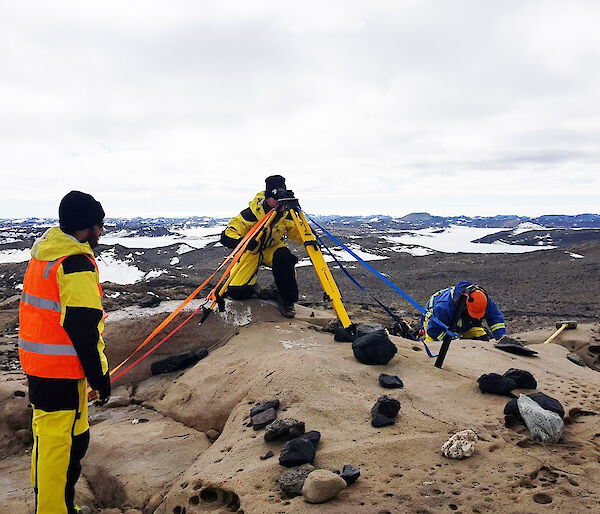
{"x":496,"y":384}
{"x":350,"y":474}
{"x":264,"y":418}
{"x":374,"y":348}
{"x":267,"y":455}
{"x":542,"y":399}
{"x":177,"y":362}
{"x":149,"y":301}
{"x":300,"y":450}
{"x":362,"y":329}
{"x":524,"y":379}
{"x":344,"y":335}
{"x":284,"y":429}
{"x":387,"y":406}
{"x":261,"y":407}
{"x":291,"y":481}
{"x":517,"y":348}
{"x":390,"y":381}
{"x":379,"y":420}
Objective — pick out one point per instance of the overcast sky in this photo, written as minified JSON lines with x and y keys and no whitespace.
{"x":183,"y":108}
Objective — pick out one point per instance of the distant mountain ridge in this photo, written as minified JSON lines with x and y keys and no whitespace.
{"x":419,"y":220}
{"x":414,"y":220}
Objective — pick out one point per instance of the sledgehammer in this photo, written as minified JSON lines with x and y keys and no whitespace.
{"x":561,"y":325}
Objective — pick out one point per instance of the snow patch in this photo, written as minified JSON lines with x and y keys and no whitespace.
{"x":344,"y":256}
{"x":575,"y":255}
{"x":15,"y":255}
{"x":173,"y":261}
{"x":113,"y":269}
{"x":154,"y":274}
{"x":459,"y":239}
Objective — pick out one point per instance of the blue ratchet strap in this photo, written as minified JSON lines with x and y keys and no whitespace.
{"x":410,"y":300}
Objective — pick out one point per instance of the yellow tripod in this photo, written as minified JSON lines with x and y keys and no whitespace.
{"x":320,"y":266}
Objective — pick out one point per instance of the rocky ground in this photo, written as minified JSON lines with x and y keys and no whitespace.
{"x":181,"y":442}
{"x":177,"y":443}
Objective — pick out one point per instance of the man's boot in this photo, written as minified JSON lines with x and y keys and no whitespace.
{"x":287,"y":309}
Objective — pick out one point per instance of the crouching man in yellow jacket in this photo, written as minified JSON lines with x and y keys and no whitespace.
{"x":268,"y":248}
{"x":60,"y":346}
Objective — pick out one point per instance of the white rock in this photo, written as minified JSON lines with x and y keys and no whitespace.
{"x":322,"y":485}
{"x":544,"y":426}
{"x":461,"y":445}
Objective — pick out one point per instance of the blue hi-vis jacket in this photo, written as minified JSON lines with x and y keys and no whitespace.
{"x":443,"y":303}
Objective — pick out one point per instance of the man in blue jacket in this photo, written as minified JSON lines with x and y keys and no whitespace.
{"x":477,"y":307}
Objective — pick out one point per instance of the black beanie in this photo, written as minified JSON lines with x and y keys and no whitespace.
{"x":78,"y":211}
{"x":272,"y":184}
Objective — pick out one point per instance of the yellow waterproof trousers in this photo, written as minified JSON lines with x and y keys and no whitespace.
{"x":246,"y":270}
{"x":60,"y":440}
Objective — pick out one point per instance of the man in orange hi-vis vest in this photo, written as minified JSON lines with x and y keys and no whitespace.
{"x":61,"y":348}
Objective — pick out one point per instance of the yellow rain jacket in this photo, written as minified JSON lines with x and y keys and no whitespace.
{"x":269,"y":240}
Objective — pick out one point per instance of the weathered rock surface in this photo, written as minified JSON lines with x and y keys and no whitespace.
{"x":544,"y":426}
{"x":573,"y":357}
{"x":261,"y":407}
{"x":542,"y":399}
{"x":379,"y":420}
{"x":292,"y":480}
{"x":264,"y":418}
{"x":461,"y":445}
{"x":284,"y":429}
{"x":322,"y":485}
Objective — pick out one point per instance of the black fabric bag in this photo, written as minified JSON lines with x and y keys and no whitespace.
{"x":374,"y":348}
{"x":177,"y":362}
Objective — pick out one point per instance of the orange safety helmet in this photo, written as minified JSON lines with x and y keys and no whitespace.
{"x":476,"y":303}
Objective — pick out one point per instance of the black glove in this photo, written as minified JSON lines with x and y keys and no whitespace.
{"x":104,"y":391}
{"x":252,"y":245}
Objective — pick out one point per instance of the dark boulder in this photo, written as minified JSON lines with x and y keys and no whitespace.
{"x":178,"y":362}
{"x":524,"y":379}
{"x":350,"y":474}
{"x":344,"y":335}
{"x":387,"y":406}
{"x":300,"y":450}
{"x":390,"y":381}
{"x":374,"y":348}
{"x":291,"y":481}
{"x":284,"y":429}
{"x":264,"y":418}
{"x":260,"y":407}
{"x":379,"y":420}
{"x":496,"y":384}
{"x":149,"y":301}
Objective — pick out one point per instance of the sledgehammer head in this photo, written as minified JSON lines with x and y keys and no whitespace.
{"x":570,"y":324}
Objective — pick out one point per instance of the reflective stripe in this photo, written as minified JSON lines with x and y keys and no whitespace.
{"x":497,"y":326}
{"x":441,"y":336}
{"x":42,"y":303}
{"x":47,"y":349}
{"x":49,"y":267}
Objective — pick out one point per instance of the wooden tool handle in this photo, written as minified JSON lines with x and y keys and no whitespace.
{"x":556,"y":333}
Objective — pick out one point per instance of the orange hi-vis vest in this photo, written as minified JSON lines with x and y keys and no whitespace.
{"x":45,"y":349}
